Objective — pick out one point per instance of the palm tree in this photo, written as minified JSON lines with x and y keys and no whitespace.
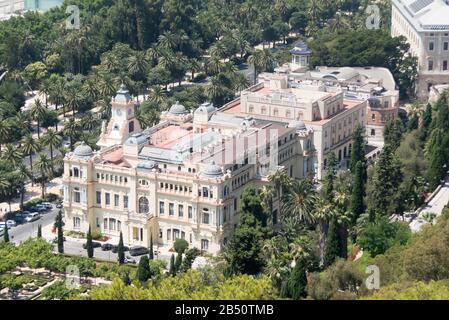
{"x":339,"y":22}
{"x":218,"y":50}
{"x":214,"y":89}
{"x":29,"y":147}
{"x":157,"y":95}
{"x":12,"y":154}
{"x":71,"y":129}
{"x":53,"y":140}
{"x":73,"y":98}
{"x":5,"y":132}
{"x":167,"y":40}
{"x":46,"y":89}
{"x":281,"y":181}
{"x":214,"y":65}
{"x":91,"y":89}
{"x":299,"y":202}
{"x":261,"y":60}
{"x":267,"y":194}
{"x":194,"y":66}
{"x":314,"y":10}
{"x":138,"y":63}
{"x":44,"y":165}
{"x":240,"y":83}
{"x":322,"y":215}
{"x":38,"y":112}
{"x":22,"y":122}
{"x":23,"y":174}
{"x":90,"y":121}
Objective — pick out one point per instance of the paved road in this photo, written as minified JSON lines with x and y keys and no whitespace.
{"x":24,"y":231}
{"x":436,"y":205}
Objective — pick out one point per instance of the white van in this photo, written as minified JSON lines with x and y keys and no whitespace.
{"x":33,"y":217}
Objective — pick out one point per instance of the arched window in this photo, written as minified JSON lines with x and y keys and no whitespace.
{"x":111,"y":224}
{"x":76,"y":172}
{"x":76,"y":222}
{"x":144,"y":205}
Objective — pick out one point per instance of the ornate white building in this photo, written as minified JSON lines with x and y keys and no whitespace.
{"x":182,"y":178}
{"x":425,"y":24}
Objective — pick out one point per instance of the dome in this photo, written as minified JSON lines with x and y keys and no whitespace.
{"x":212,"y":171}
{"x":206,"y":107}
{"x":83,"y":150}
{"x":122,"y":95}
{"x":146,"y":165}
{"x":177,"y":109}
{"x":299,"y":125}
{"x":136,"y":139}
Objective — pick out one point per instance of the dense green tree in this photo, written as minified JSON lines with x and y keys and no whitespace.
{"x":121,"y":250}
{"x":393,"y":132}
{"x":6,"y":234}
{"x":172,"y":270}
{"x":243,"y":253}
{"x":329,"y":179}
{"x":143,"y":270}
{"x":89,"y":244}
{"x":297,"y":283}
{"x":332,"y":248}
{"x":358,"y":148}
{"x":59,"y":226}
{"x":180,"y":245}
{"x":357,"y":206}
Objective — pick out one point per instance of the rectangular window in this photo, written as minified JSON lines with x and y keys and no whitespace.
{"x":446,"y":46}
{"x":161,"y":208}
{"x":125,"y":202}
{"x":431,"y":46}
{"x":116,"y":200}
{"x":168,"y":234}
{"x":189,"y":212}
{"x":206,"y":217}
{"x":181,"y":211}
{"x":171,"y":209}
{"x":97,"y":222}
{"x":191,"y":238}
{"x":77,"y":196}
{"x":108,"y":199}
{"x":136,"y":233}
{"x":430,"y":67}
{"x":235,"y":205}
{"x":98,"y":193}
{"x":204,"y":244}
{"x":445,"y":65}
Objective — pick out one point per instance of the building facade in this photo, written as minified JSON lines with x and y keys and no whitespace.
{"x":425,"y":24}
{"x":183,"y":178}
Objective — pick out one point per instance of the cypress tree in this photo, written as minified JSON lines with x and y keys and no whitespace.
{"x":178,"y":262}
{"x":121,"y":250}
{"x":89,"y":244}
{"x":6,"y":234}
{"x":332,"y":248}
{"x":39,"y":231}
{"x":296,"y":287}
{"x":172,"y":265}
{"x":143,"y":270}
{"x":329,"y":179}
{"x":357,"y":206}
{"x":58,"y":225}
{"x":125,"y":278}
{"x":358,"y":148}
{"x":151,"y":254}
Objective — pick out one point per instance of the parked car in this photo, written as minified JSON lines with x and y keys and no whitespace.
{"x":32,"y":217}
{"x":115,"y":248}
{"x":95,"y":244}
{"x":107,"y":246}
{"x":138,"y":251}
{"x":128,"y":259}
{"x":9,"y":223}
{"x":47,"y":205}
{"x":19,"y":219}
{"x":38,"y":208}
{"x":59,"y":205}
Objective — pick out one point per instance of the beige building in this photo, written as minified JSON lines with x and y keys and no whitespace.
{"x":425,"y":24}
{"x":182,"y":178}
{"x":326,"y":111}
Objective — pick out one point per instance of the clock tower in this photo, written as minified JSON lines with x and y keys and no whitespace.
{"x":123,"y":123}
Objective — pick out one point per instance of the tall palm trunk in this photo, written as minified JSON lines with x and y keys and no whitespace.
{"x":22,"y":196}
{"x":43,"y":184}
{"x":31,"y":169}
{"x":51,"y":158}
{"x":322,"y":239}
{"x":343,"y":241}
{"x":38,"y":129}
